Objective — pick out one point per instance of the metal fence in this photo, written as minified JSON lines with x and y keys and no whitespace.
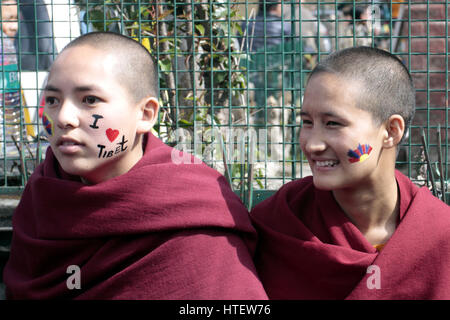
{"x":232,"y":76}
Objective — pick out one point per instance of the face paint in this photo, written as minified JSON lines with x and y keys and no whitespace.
{"x":96,"y":117}
{"x":48,"y":124}
{"x":112,"y":134}
{"x":103,"y":153}
{"x":360,"y":154}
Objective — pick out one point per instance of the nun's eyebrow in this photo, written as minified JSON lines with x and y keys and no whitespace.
{"x":323,"y":114}
{"x":77,"y":89}
{"x":51,"y":88}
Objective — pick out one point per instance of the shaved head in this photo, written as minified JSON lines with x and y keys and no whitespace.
{"x":387,"y":85}
{"x":135,"y":69}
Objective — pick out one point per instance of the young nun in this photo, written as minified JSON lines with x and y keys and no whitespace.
{"x":357,"y":228}
{"x":109,"y":214}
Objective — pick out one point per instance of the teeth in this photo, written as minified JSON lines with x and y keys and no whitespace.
{"x":327,"y":163}
{"x":68,"y":143}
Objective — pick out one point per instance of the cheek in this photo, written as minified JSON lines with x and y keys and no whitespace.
{"x":48,"y":123}
{"x":360,"y":153}
{"x":109,"y":134}
{"x":105,"y":129}
{"x":354,"y":145}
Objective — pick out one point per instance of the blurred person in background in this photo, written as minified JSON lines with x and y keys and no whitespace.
{"x":268,"y":27}
{"x":35,"y":36}
{"x":360,"y":24}
{"x":9,"y":18}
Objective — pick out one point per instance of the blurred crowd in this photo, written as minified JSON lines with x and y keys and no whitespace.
{"x":324,"y":27}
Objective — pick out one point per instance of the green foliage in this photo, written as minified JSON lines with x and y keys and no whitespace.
{"x":196,"y":37}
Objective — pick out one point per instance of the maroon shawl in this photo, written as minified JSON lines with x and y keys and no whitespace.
{"x":160,"y":231}
{"x":309,"y":249}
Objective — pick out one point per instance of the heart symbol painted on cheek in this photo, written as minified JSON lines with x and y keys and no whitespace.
{"x":112,"y":134}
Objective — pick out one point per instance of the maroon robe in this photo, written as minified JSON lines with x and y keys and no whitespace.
{"x":160,"y":231}
{"x":309,"y":249}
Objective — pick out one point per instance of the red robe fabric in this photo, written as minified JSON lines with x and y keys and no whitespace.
{"x":309,"y":249}
{"x":160,"y":231}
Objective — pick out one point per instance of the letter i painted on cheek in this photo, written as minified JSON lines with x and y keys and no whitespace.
{"x":360,"y":154}
{"x":48,"y":124}
{"x":96,"y":117}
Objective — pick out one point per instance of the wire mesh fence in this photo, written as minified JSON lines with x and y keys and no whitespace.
{"x":232,"y":77}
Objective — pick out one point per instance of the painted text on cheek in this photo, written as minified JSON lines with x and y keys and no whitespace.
{"x":104,"y":153}
{"x":96,"y":117}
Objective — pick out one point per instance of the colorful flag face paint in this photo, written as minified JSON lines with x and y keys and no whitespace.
{"x":48,"y":124}
{"x":360,"y":154}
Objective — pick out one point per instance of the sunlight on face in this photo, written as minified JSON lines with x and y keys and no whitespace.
{"x":340,"y":140}
{"x":92,"y":116}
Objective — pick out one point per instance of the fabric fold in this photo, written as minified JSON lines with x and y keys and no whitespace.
{"x":309,"y":249}
{"x":160,"y":231}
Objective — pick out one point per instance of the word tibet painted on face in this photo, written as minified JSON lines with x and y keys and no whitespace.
{"x":48,"y":123}
{"x":103,"y":153}
{"x":360,"y":154}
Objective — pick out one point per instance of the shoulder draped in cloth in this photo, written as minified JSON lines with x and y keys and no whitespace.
{"x":160,"y":231}
{"x":309,"y":249}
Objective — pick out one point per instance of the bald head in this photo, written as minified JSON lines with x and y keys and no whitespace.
{"x":135,"y":69}
{"x":387,"y":85}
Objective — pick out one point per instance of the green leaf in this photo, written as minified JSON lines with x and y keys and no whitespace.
{"x":260,"y":183}
{"x":165,"y":65}
{"x":219,"y":77}
{"x":201,"y":29}
{"x":185,"y":122}
{"x":238,"y":28}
